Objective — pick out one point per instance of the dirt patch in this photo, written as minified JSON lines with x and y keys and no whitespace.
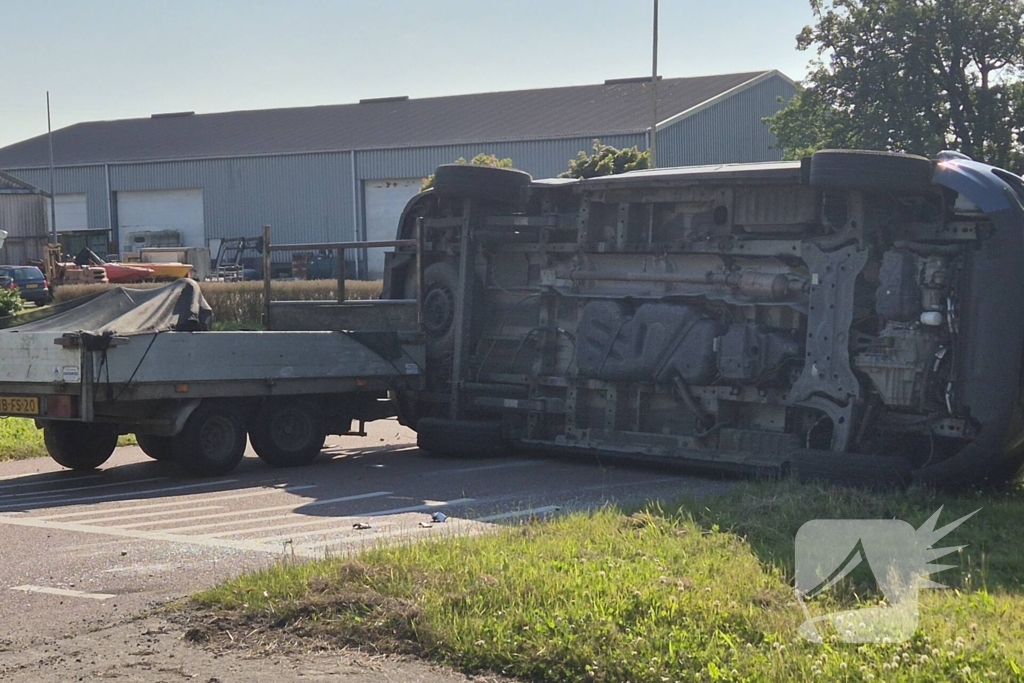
{"x":342,"y":611}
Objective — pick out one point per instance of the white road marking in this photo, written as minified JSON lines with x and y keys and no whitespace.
{"x":44,"y":481}
{"x":519,"y":513}
{"x":482,"y":468}
{"x":138,"y":515}
{"x":85,"y":499}
{"x":132,"y":533}
{"x":181,"y":501}
{"x":276,"y":508}
{"x":345,"y":520}
{"x":63,"y":592}
{"x":60,"y":492}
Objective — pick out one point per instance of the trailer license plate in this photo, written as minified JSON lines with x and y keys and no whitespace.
{"x":19,"y":405}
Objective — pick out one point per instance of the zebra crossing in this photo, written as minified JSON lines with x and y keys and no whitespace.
{"x":263,"y":516}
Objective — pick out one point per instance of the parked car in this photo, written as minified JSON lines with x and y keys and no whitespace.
{"x":30,"y":281}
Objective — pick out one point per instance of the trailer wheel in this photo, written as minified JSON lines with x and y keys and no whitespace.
{"x":481,"y":182}
{"x":212,"y":442}
{"x":461,"y":438}
{"x":864,"y":170}
{"x":157,"y":447}
{"x":78,"y":445}
{"x":288,"y":433}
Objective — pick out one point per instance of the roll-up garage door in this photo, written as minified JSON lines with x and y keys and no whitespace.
{"x":384,"y":201}
{"x":146,"y":218}
{"x":72,"y":212}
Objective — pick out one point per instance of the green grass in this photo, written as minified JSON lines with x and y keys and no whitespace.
{"x":20,"y":440}
{"x":696,"y":591}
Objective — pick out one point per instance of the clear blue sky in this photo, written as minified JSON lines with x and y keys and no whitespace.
{"x":109,"y":59}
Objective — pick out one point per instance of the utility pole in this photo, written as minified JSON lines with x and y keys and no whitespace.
{"x":654,"y":93}
{"x":53,"y":197}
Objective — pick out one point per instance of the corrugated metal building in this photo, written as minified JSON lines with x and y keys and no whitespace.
{"x":23,"y":217}
{"x":344,"y":172}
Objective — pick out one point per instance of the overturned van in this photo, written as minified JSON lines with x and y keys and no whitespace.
{"x":857,"y":316}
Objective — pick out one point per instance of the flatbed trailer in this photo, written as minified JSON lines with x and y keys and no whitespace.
{"x":196,"y":396}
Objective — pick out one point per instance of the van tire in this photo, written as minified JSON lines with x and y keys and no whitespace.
{"x":870,"y":171}
{"x":486,"y":183}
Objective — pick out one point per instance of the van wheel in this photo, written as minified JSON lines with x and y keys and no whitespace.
{"x":288,"y":433}
{"x":78,"y":445}
{"x":157,"y":447}
{"x":440,"y":283}
{"x":461,"y":438}
{"x":871,"y":171}
{"x":212,"y":442}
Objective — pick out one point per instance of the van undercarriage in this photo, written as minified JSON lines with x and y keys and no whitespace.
{"x":855,"y":316}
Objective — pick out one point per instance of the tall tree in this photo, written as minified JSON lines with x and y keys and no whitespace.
{"x":911,"y":75}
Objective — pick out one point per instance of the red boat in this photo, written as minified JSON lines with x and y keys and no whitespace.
{"x":122,"y":274}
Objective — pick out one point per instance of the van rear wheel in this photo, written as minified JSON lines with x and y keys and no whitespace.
{"x":79,"y":445}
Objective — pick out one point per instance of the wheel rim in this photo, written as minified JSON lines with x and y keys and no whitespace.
{"x":217,"y":438}
{"x":291,"y":430}
{"x":438,"y":310}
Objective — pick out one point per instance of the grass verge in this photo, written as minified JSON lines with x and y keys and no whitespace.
{"x":696,"y":591}
{"x":20,"y":440}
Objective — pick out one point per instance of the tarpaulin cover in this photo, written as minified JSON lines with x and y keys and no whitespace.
{"x":125,"y":312}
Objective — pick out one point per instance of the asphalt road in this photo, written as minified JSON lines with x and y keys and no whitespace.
{"x":85,"y":551}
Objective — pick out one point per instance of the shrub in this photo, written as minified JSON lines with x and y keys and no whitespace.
{"x":242,"y":302}
{"x":607,"y":160}
{"x":10,"y":302}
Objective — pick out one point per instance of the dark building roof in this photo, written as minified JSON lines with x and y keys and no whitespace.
{"x":11,"y":185}
{"x":616,"y":107}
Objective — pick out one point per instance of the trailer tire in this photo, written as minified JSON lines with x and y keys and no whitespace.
{"x":159,"y":448}
{"x":212,"y":443}
{"x":461,"y":438}
{"x":851,"y":469}
{"x":78,"y":445}
{"x":871,"y":171}
{"x":288,"y":433}
{"x":486,"y":183}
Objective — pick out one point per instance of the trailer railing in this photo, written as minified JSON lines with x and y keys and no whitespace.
{"x":340,"y":248}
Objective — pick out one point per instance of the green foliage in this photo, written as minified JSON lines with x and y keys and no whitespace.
{"x":607,"y":160}
{"x":478,"y":160}
{"x":10,"y":302}
{"x":917,"y":76}
{"x":700,"y":591}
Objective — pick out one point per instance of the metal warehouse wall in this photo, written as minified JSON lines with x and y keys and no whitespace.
{"x":540,"y":158}
{"x":23,"y":217}
{"x":90,"y":180}
{"x":306,"y":197}
{"x":731,"y":131}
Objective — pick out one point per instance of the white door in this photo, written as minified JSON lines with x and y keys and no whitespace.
{"x":72,"y":212}
{"x":141,"y":214}
{"x":384,"y":201}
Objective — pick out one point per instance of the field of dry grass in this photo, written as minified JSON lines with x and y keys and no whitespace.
{"x":242,"y":302}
